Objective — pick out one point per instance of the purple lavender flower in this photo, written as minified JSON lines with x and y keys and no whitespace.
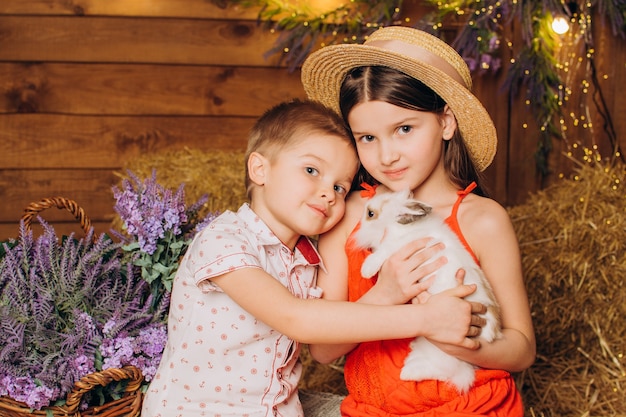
{"x":149,"y":210}
{"x":84,"y":364}
{"x":24,"y":389}
{"x":160,"y":229}
{"x":142,"y":351}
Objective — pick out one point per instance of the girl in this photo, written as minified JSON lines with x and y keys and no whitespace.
{"x":245,"y":292}
{"x":406,"y":97}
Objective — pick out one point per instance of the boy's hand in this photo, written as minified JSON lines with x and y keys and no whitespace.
{"x":478,"y":309}
{"x":456,"y":321}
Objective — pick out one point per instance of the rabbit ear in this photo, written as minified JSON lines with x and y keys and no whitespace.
{"x":413,"y":210}
{"x":418,"y":208}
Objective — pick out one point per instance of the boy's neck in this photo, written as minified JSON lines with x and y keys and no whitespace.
{"x":287,"y":236}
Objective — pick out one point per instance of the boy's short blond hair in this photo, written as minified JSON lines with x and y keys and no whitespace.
{"x":289,"y":122}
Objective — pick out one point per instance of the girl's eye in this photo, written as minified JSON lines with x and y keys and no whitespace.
{"x":404,"y":129}
{"x":312,"y":171}
{"x":366,"y":138}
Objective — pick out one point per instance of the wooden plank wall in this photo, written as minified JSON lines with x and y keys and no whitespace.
{"x":87,"y":85}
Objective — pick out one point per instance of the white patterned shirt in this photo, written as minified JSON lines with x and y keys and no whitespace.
{"x":220,"y":360}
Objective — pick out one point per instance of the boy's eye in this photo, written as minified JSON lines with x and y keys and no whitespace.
{"x":312,"y":171}
{"x":340,"y":189}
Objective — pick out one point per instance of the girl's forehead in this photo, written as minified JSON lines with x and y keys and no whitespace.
{"x":374,"y":114}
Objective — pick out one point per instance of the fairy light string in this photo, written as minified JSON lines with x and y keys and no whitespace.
{"x":542,"y":69}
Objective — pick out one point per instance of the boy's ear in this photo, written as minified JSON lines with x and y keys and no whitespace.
{"x":448,"y":121}
{"x":257,"y":166}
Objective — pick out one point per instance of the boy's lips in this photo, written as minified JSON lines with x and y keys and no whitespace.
{"x":320,"y":209}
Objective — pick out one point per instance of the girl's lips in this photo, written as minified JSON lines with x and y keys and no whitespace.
{"x":394,"y":173}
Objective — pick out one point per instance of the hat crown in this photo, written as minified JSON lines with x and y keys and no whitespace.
{"x":417,"y":43}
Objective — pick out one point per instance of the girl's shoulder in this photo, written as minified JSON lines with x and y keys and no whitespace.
{"x":483,"y":214}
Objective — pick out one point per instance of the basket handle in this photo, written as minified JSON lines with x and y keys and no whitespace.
{"x":61,"y":203}
{"x":103,"y":378}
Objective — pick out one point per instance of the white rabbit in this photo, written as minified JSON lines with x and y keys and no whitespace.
{"x":392,"y":220}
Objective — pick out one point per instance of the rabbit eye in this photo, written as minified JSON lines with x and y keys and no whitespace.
{"x":370,"y":213}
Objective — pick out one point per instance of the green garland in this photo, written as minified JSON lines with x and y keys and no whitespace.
{"x":478,"y":37}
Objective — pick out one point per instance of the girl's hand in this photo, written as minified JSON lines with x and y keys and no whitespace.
{"x":404,"y":275}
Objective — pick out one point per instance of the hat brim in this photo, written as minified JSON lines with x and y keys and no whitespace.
{"x":324,"y":71}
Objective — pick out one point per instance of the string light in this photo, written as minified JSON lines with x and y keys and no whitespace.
{"x":560,"y":25}
{"x":558,"y":71}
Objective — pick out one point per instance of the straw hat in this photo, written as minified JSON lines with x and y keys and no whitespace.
{"x":420,"y":55}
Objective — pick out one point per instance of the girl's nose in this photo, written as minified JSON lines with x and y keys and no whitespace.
{"x":388,"y":152}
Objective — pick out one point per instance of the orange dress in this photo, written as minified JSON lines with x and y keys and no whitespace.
{"x":372,"y":369}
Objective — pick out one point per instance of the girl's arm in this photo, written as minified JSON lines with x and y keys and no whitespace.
{"x":325,"y":321}
{"x":488,"y":229}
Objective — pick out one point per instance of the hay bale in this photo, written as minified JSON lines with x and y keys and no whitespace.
{"x":220,"y":174}
{"x":572,"y":238}
{"x":322,"y":377}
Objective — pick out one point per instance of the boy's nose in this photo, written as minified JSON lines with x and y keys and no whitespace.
{"x":328,"y":193}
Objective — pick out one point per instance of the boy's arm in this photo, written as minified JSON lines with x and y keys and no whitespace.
{"x":446,"y":317}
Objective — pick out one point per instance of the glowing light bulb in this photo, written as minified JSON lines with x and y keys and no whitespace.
{"x":560,"y":25}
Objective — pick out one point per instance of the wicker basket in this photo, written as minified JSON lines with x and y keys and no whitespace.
{"x":129,"y":404}
{"x":62,"y":204}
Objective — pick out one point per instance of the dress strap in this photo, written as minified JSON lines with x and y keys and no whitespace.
{"x":453,"y":221}
{"x":461,"y":195}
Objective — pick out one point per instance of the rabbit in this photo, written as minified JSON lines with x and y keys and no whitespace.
{"x":390,"y":221}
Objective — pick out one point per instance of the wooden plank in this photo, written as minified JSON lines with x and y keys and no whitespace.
{"x":610,"y":62}
{"x":59,"y":141}
{"x":196,"y":9}
{"x":135,"y":40}
{"x":147,"y":8}
{"x":131,"y":89}
{"x":91,"y":189}
{"x":495,"y":104}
